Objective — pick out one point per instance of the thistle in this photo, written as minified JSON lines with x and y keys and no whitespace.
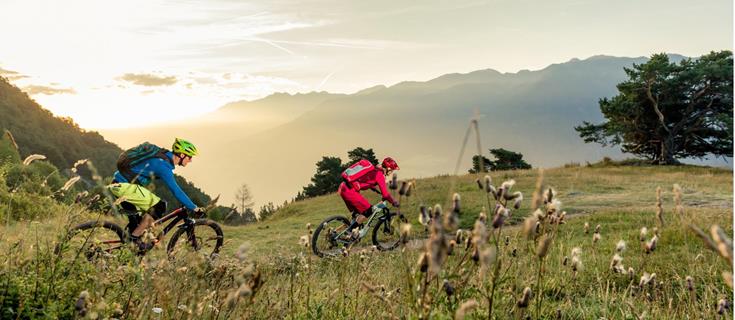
{"x":403,"y":189}
{"x":620,"y":247}
{"x":586,"y":228}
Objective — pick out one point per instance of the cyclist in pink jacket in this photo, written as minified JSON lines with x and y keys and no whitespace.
{"x":370,"y":178}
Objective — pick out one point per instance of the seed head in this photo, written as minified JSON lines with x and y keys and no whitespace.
{"x":455,"y":203}
{"x":643,"y":234}
{"x":393,"y":185}
{"x":423,"y":262}
{"x":409,"y":191}
{"x":598,"y":228}
{"x":488,"y":183}
{"x":403,"y":189}
{"x":518,"y":200}
{"x":549,"y":195}
{"x":32,"y":158}
{"x":525,"y":298}
{"x":596,"y":237}
{"x":500,"y":216}
{"x":543,"y":246}
{"x":479,"y":184}
{"x":586,"y":228}
{"x":722,"y":306}
{"x":620,"y":247}
{"x":304,"y":241}
{"x":651,"y":245}
{"x":405,"y":232}
{"x":424,"y":216}
{"x":690,"y":283}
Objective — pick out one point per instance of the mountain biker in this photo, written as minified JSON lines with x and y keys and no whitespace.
{"x":130,"y":185}
{"x":350,"y":191}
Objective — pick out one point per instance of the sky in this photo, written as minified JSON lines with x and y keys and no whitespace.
{"x":115,"y":64}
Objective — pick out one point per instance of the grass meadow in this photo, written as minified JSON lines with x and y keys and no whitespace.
{"x":581,"y":255}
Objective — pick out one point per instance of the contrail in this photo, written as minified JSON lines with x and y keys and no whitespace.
{"x":324,"y":81}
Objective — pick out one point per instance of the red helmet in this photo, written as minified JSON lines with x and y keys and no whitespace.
{"x":390,"y":164}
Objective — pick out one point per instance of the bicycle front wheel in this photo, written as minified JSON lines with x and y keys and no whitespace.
{"x":203,"y":236}
{"x":387,"y":234}
{"x":330,"y":237}
{"x":91,"y":240}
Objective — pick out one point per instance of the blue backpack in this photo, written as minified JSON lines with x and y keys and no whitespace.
{"x":136,"y":155}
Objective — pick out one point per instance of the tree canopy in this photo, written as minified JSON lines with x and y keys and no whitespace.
{"x":329,"y":170}
{"x":505,"y":160}
{"x":666,"y":111}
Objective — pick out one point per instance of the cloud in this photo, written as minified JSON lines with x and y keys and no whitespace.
{"x":36,"y":89}
{"x":11,"y":75}
{"x":149,"y":80}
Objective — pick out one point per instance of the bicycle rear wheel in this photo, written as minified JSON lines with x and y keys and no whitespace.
{"x":92,"y":239}
{"x":326,"y":241}
{"x":387,"y":233}
{"x":203,"y":236}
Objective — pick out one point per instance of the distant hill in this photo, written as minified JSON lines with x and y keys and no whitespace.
{"x":37,"y":131}
{"x":419,"y":123}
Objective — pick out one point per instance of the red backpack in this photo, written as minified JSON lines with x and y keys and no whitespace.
{"x":357,"y":171}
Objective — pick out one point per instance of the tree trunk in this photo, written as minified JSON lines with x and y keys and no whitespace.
{"x":667,"y":151}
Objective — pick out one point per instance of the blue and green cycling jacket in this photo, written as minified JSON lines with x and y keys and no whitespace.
{"x":157,"y":168}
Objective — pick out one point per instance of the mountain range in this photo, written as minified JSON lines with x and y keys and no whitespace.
{"x":272,"y":144}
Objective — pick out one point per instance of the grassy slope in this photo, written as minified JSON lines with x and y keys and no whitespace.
{"x":582,"y":190}
{"x":298,"y":285}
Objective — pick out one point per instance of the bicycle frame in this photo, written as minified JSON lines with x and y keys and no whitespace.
{"x":386,"y":214}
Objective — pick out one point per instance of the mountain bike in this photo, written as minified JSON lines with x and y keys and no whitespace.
{"x":102,"y":238}
{"x":332,"y":235}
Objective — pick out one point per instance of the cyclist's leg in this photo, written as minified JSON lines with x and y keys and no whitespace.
{"x":356,"y":203}
{"x":143,"y":200}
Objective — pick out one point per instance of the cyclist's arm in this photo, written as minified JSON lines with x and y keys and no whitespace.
{"x":383,"y":189}
{"x":168,"y":178}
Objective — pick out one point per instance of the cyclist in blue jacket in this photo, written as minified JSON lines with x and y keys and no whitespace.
{"x":137,"y":198}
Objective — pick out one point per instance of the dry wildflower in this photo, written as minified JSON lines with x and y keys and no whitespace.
{"x":12,"y":139}
{"x":553,"y":207}
{"x":576,"y":263}
{"x":488,"y":183}
{"x":501,"y":214}
{"x":491,"y":190}
{"x":409,"y":191}
{"x":690,"y":283}
{"x":404,"y":187}
{"x":565,"y":260}
{"x":525,"y":298}
{"x":518,"y":199}
{"x":646,"y":278}
{"x":529,"y":227}
{"x":455,"y":203}
{"x":304,"y":241}
{"x":483,"y":216}
{"x":722,"y":306}
{"x":643,"y":234}
{"x":596,"y":237}
{"x":504,"y":189}
{"x":586,"y":228}
{"x":479,"y":184}
{"x":465,"y":308}
{"x":549,"y":195}
{"x":452,"y":244}
{"x":81,"y":304}
{"x":424,"y":217}
{"x":651,"y":245}
{"x":598,"y":228}
{"x":437,"y":250}
{"x":436,"y":213}
{"x":32,"y":158}
{"x":615,"y":264}
{"x":77,"y":164}
{"x":393,"y":184}
{"x":507,"y":240}
{"x":620,"y":247}
{"x":405,"y":232}
{"x":70,"y":183}
{"x":543,"y":246}
{"x":479,"y":234}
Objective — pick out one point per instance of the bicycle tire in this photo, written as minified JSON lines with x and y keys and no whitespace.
{"x":319,"y":229}
{"x":118,"y":237}
{"x":379,"y":230}
{"x":216,"y":244}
